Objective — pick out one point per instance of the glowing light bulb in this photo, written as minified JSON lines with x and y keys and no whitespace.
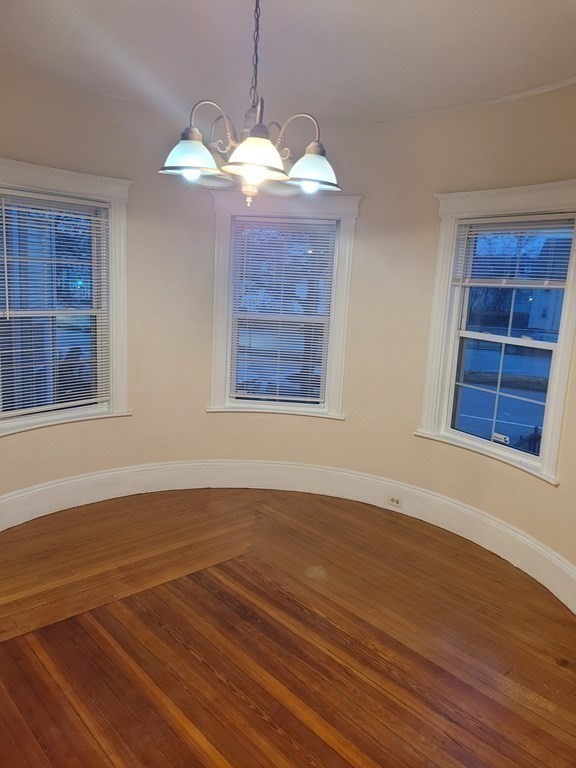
{"x":254,"y":174}
{"x":192,"y":174}
{"x":310,"y":187}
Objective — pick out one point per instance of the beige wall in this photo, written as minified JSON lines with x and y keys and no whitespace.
{"x":397,"y":167}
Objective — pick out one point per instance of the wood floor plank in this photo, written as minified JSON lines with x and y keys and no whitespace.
{"x":433,"y":606}
{"x":270,"y":629}
{"x":411,"y":678}
{"x":204,"y":677}
{"x":319,"y":743}
{"x":461,"y":652}
{"x":126,"y":725}
{"x":58,"y":566}
{"x":49,"y":715}
{"x":19,"y":747}
{"x":330,"y":684}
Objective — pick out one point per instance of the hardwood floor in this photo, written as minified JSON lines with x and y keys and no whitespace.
{"x":346,"y":636}
{"x":62,"y":564}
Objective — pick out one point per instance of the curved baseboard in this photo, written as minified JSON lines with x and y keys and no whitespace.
{"x":519,"y":548}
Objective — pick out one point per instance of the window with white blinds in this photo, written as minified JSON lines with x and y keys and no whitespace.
{"x":503,"y":325}
{"x":510,"y":278}
{"x":54,"y":305}
{"x":281,"y":285}
{"x":282,"y":296}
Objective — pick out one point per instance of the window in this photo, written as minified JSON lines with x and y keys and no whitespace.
{"x":502,"y":336}
{"x":280,"y":306}
{"x":60,"y":272}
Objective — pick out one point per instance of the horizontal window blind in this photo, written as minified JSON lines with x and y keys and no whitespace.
{"x":54,"y":305}
{"x":518,"y":253}
{"x":282,"y":286}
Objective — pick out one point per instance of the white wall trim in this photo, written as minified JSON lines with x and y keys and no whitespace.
{"x":18,"y":175}
{"x":511,"y":543}
{"x":552,"y":197}
{"x":329,"y":205}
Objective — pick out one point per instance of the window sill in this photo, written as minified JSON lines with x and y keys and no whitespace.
{"x":532,"y":466}
{"x":290,"y":411}
{"x":53,"y":420}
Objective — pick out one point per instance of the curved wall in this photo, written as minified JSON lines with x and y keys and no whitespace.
{"x":170,"y":275}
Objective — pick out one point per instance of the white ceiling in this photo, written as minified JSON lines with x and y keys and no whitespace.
{"x":372,"y":59}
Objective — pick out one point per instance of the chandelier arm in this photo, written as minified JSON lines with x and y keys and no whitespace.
{"x":214,"y":124}
{"x":285,"y":152}
{"x":280,"y":137}
{"x":275,"y":124}
{"x":219,"y":145}
{"x":229,"y":126}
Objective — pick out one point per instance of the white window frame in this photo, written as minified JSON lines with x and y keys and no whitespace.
{"x":552,"y":198}
{"x":80,"y":188}
{"x":341,"y":208}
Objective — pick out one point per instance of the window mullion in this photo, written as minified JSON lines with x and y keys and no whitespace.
{"x":459,"y":298}
{"x":517,"y":341}
{"x":512,"y":307}
{"x":498,"y":385}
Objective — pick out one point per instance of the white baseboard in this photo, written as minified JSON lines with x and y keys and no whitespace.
{"x":519,"y":548}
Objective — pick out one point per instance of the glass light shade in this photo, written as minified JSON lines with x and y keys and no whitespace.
{"x":281,"y":189}
{"x":257,"y":160}
{"x":215,"y":181}
{"x":313,"y":172}
{"x":190,"y":155}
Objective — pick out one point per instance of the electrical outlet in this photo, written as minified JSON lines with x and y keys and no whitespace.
{"x":395,"y":502}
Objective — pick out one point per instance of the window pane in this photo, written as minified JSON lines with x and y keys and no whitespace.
{"x":473,"y":411}
{"x":47,"y":361}
{"x":519,"y":252}
{"x":278,"y":361}
{"x":521,"y":422}
{"x":73,"y":238}
{"x":489,"y":310}
{"x":537,"y":313}
{"x":283,"y":271}
{"x":479,"y":363}
{"x":49,"y":261}
{"x":525,"y":372}
{"x":26,"y":362}
{"x":73,"y":289}
{"x":76,"y":363}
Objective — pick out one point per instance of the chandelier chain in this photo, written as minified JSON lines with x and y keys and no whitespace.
{"x":254,"y":86}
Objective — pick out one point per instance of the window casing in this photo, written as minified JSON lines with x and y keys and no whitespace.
{"x":502,"y":329}
{"x":280,"y":304}
{"x":62,"y":288}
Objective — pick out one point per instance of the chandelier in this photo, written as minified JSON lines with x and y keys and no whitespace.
{"x":255,"y":161}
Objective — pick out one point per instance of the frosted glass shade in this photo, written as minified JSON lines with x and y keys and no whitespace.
{"x":190,"y":155}
{"x":281,"y":189}
{"x":258,"y":160}
{"x":215,"y":181}
{"x":313,"y":172}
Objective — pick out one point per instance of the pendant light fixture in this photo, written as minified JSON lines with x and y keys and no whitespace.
{"x":255,"y":161}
